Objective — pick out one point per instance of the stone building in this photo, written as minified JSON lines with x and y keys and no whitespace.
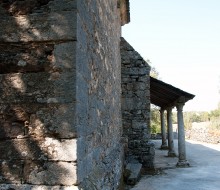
{"x":64,"y":76}
{"x":60,"y":113}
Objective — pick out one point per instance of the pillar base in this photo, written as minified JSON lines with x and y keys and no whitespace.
{"x":171,"y":154}
{"x":164,"y":147}
{"x":182,"y":164}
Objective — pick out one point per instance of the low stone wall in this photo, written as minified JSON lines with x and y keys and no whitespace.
{"x":203,"y":135}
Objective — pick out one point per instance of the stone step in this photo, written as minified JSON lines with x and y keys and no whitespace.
{"x":134,"y":171}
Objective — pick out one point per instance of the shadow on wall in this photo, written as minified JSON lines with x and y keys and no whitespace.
{"x":41,"y":20}
{"x":36,"y":133}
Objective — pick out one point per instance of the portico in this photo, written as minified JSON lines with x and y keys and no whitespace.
{"x":167,"y":97}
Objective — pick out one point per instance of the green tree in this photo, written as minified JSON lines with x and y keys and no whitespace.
{"x":155,"y":111}
{"x":155,"y":119}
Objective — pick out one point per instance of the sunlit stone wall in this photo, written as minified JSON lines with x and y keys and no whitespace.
{"x":98,"y":83}
{"x":60,"y":123}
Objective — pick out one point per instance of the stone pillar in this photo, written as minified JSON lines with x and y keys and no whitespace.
{"x":163,"y":130}
{"x":181,"y":137}
{"x":171,"y":151}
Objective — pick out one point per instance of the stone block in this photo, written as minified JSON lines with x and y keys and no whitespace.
{"x":54,"y":121}
{"x":13,"y":120}
{"x":37,"y":57}
{"x":10,"y":171}
{"x":135,"y":71}
{"x":52,"y":26}
{"x":35,"y":187}
{"x":31,"y":57}
{"x":37,"y":87}
{"x":26,"y":7}
{"x":141,"y":94}
{"x":38,"y":120}
{"x":64,"y":56}
{"x":50,"y":173}
{"x":11,"y":129}
{"x":127,"y":104}
{"x":137,"y":124}
{"x":133,"y":103}
{"x":133,"y":144}
{"x":138,"y":86}
{"x":134,"y":169}
{"x":38,"y":149}
{"x":63,"y":150}
{"x":64,"y":5}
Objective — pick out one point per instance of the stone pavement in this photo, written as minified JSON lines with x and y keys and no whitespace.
{"x":203,"y":173}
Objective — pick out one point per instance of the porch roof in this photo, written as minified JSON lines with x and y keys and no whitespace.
{"x":165,"y":95}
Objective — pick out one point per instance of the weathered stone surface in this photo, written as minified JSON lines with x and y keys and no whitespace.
{"x":22,"y":21}
{"x":38,"y":149}
{"x":148,"y":154}
{"x":25,"y":57}
{"x":136,"y":104}
{"x":55,"y":121}
{"x":11,"y":129}
{"x":50,"y":173}
{"x":37,"y":87}
{"x":25,"y":7}
{"x":134,"y":169}
{"x":36,"y":57}
{"x":10,"y":171}
{"x":106,"y":166}
{"x":35,"y":187}
{"x":38,"y":120}
{"x":135,"y":71}
{"x":98,"y":95}
{"x":13,"y":120}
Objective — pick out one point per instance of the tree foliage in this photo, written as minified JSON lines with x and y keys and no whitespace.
{"x":155,"y":119}
{"x":155,"y":111}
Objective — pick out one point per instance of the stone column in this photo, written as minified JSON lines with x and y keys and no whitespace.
{"x":171,"y":151}
{"x":181,"y":137}
{"x":163,"y":130}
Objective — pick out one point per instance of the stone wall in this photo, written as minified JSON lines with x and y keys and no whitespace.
{"x":98,"y":107}
{"x":136,"y":105}
{"x":60,"y":123}
{"x":202,"y":132}
{"x":37,"y":102}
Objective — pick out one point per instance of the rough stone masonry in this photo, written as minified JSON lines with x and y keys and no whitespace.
{"x":60,"y":94}
{"x":135,"y":80}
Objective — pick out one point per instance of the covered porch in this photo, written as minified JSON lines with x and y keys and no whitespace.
{"x":168,"y":97}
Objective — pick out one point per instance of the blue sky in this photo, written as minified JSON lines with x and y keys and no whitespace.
{"x":181,"y":38}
